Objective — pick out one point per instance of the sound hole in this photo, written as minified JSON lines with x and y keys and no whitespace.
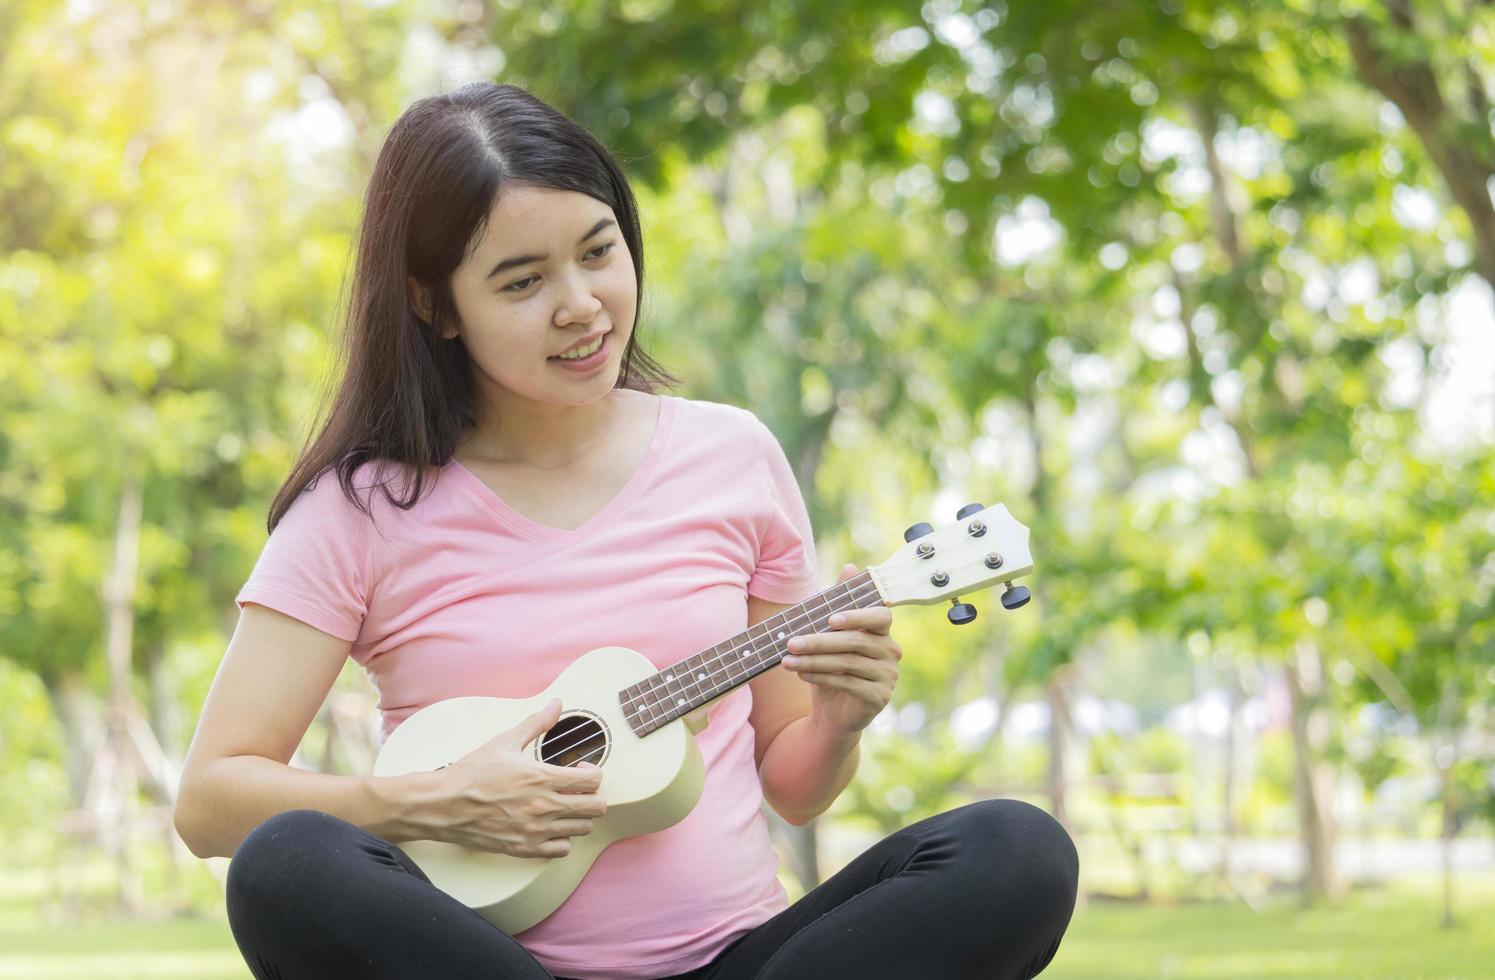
{"x":575,"y":738}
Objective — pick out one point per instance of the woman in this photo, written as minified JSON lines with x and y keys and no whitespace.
{"x":480,"y":508}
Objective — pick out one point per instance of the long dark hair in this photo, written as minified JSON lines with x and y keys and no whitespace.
{"x":406,"y":395}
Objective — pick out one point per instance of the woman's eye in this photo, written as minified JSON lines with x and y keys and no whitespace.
{"x":523,"y":284}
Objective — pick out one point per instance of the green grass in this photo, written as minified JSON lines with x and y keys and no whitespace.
{"x":198,"y":949}
{"x":1384,"y":932}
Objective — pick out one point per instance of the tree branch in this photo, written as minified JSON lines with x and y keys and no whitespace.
{"x":1413,"y":88}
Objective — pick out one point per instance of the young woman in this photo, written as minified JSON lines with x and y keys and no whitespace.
{"x":481,"y":507}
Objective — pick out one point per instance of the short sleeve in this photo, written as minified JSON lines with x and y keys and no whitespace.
{"x":786,"y":571}
{"x":317,"y":564}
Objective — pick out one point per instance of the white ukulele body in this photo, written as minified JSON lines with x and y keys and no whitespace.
{"x":648,"y":783}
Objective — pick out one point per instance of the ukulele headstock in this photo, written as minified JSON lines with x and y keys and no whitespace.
{"x":983,"y":546}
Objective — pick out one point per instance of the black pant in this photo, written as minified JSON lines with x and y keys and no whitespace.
{"x":985,"y":890}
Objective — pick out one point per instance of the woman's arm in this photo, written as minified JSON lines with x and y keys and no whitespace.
{"x":802,"y":768}
{"x":273,"y":678}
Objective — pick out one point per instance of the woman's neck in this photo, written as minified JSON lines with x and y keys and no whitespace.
{"x":541,"y":437}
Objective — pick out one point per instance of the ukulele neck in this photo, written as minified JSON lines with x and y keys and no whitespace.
{"x":679,"y":689}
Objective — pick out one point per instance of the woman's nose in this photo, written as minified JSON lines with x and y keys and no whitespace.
{"x":579,"y":304}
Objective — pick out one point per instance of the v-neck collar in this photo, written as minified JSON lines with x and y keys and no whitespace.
{"x":471,"y":484}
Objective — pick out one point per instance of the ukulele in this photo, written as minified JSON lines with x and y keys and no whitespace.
{"x":639,"y":723}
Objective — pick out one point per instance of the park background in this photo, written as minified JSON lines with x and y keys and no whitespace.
{"x":1200,"y":290}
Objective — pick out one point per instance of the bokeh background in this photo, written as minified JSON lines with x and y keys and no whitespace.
{"x":1200,"y":290}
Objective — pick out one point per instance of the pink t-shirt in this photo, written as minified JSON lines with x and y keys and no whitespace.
{"x":461,"y":595}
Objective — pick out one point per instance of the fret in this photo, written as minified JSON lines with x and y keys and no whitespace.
{"x":674,"y":693}
{"x":679,"y":677}
{"x":743,"y":651}
{"x":825,"y":605}
{"x":659,"y":695}
{"x":664,"y":699}
{"x":700,"y":678}
{"x":714,"y":662}
{"x":717,"y":680}
{"x":736,"y":670}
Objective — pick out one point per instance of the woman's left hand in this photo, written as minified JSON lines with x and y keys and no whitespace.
{"x":853,"y":667}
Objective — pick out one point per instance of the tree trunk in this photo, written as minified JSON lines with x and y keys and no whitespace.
{"x":1444,"y":129}
{"x":119,"y":602}
{"x":994,"y":751}
{"x":1197,"y":801}
{"x":77,"y":712}
{"x":1234,"y":736}
{"x":1445,"y":765}
{"x":1058,"y":743}
{"x":165,"y":706}
{"x":1447,"y":835}
{"x":1310,"y":727}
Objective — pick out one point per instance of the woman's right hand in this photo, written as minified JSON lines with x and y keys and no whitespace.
{"x":496,"y":798}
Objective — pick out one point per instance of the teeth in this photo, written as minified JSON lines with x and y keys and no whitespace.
{"x":578,"y":354}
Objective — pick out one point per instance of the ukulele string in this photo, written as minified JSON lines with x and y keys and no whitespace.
{"x":850,"y":593}
{"x":854,"y":594}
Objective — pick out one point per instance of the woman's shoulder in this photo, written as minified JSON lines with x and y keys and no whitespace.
{"x":719,"y":418}
{"x":349,"y":493}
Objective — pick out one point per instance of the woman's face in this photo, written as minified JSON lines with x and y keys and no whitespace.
{"x":576,"y":280}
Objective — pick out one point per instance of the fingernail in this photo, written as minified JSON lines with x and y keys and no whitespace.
{"x":837,"y":619}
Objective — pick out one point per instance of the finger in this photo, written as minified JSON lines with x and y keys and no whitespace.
{"x":847,"y":571}
{"x":839,"y":641}
{"x":869,"y":694}
{"x":535,"y":725}
{"x":875,"y":619}
{"x":572,"y":828}
{"x":571,"y":779}
{"x":838,"y":663}
{"x":576,"y":805}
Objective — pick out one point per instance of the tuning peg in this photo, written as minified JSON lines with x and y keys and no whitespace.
{"x":1015,"y":596}
{"x":917,"y":531}
{"x":961,"y":613}
{"x":967,"y":511}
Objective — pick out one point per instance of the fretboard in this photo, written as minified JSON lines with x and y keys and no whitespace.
{"x":679,"y":689}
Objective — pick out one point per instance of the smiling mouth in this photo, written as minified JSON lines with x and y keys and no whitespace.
{"x":598,"y":344}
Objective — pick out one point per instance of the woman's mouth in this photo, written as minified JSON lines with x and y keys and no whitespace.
{"x":592,"y":361}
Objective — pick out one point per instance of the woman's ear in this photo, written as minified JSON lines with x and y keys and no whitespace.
{"x":419,"y":299}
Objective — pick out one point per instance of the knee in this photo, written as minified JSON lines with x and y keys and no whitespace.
{"x":1030,"y":854}
{"x":1020,"y":827}
{"x":276,"y":857}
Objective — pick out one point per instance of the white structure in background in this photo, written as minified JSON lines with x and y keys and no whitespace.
{"x":1094,"y":716}
{"x":1208,"y":715}
{"x":1029,"y":720}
